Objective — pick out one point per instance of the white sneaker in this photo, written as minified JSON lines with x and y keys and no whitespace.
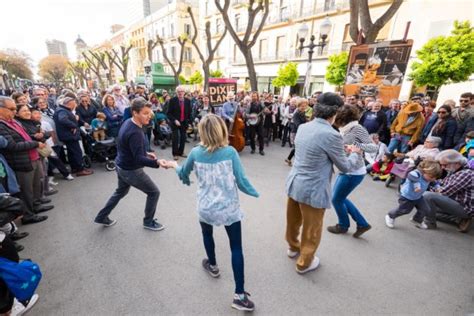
{"x":19,"y":309}
{"x":69,"y":177}
{"x":51,"y":181}
{"x":312,"y":266}
{"x":292,"y":254}
{"x":422,"y":225}
{"x":389,"y":221}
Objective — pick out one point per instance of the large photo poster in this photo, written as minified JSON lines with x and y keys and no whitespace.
{"x":377,"y":69}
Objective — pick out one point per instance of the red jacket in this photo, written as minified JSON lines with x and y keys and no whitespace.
{"x":377,"y":165}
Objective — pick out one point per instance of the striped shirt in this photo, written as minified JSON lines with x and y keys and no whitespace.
{"x":459,"y":186}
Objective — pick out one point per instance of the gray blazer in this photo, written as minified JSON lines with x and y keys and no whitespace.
{"x":318,"y":146}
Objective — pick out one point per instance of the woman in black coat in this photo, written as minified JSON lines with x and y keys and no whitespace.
{"x":445,"y":128}
{"x":86,"y":111}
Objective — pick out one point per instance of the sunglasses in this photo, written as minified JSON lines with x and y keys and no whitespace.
{"x":464,"y":100}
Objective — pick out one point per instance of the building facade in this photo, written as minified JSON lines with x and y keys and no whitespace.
{"x":56,"y":47}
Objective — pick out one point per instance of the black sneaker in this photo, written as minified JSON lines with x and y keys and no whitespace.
{"x":242,"y":303}
{"x":212,"y":270}
{"x":107,"y":222}
{"x":262,"y":153}
{"x":252,"y":151}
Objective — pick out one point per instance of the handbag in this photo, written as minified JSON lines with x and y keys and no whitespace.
{"x":46,"y":151}
{"x":401,"y":170}
{"x":22,"y":278}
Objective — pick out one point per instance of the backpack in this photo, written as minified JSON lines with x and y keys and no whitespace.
{"x":22,"y":278}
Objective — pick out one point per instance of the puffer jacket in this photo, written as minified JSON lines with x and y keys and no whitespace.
{"x":16,"y":151}
{"x":415,"y":127}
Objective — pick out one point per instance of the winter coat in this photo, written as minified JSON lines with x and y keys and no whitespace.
{"x":17,"y":149}
{"x":446,"y":134}
{"x":67,"y":127}
{"x":415,"y":127}
{"x":86,"y":115}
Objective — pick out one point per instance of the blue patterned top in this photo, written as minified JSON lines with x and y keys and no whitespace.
{"x":219,"y":176}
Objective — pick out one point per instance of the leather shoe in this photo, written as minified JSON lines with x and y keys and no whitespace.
{"x":18,"y":247}
{"x":51,"y":192}
{"x":42,"y":201}
{"x":465,"y":225}
{"x":184,"y":156}
{"x":18,"y":235}
{"x":33,"y":219}
{"x":43,"y":208}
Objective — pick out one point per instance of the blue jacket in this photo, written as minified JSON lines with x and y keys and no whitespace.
{"x":414,"y":181}
{"x":13,"y":187}
{"x":67,"y":127}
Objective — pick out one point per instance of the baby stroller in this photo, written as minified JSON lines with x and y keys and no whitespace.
{"x":98,"y":151}
{"x":161,"y":131}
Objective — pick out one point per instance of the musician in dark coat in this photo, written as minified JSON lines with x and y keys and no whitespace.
{"x":179,"y":114}
{"x":256,"y":107}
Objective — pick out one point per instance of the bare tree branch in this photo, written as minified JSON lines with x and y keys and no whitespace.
{"x":354,"y":18}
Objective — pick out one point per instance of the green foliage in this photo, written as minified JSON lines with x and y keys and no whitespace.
{"x":216,"y":73}
{"x":196,"y":78}
{"x":182,"y":79}
{"x":287,"y":75}
{"x":337,"y":68}
{"x":446,"y":59}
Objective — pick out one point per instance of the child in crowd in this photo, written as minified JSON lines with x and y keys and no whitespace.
{"x":382,"y":149}
{"x":381,"y":169}
{"x":463,"y":146}
{"x":411,"y":194}
{"x":219,"y":173}
{"x":99,"y":126}
{"x":470,"y":153}
{"x":162,"y":130}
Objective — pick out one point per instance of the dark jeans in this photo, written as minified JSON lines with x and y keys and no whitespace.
{"x":234,"y":233}
{"x":405,"y":206}
{"x":74,"y":156}
{"x":291,"y":155}
{"x":7,"y":251}
{"x":139,"y":180}
{"x":256,"y":130}
{"x":178,"y":139}
{"x":343,"y":187}
{"x":56,"y":163}
{"x":286,"y":135}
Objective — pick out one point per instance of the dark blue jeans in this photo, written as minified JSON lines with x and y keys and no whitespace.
{"x":137,"y":179}
{"x":74,"y":155}
{"x":234,"y":233}
{"x":344,"y":185}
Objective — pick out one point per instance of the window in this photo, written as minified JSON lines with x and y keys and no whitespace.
{"x":280,"y":46}
{"x":187,"y":29}
{"x":206,"y":8}
{"x":173,"y":53}
{"x":237,"y":20}
{"x":188,"y":54}
{"x":329,"y":5}
{"x":262,"y":52}
{"x":171,"y":30}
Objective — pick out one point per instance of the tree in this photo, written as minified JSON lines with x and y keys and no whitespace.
{"x":196,"y":78}
{"x":182,"y":79}
{"x":94,"y":65}
{"x":16,"y":63}
{"x":53,"y":68}
{"x":245,"y":44}
{"x":216,"y":73}
{"x":337,"y":68}
{"x":121,"y":60}
{"x":206,"y":62}
{"x":79,"y":69}
{"x":446,"y":59}
{"x":176,"y":71}
{"x":287,"y":75}
{"x":359,"y":10}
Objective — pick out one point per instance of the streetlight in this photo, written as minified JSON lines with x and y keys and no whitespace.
{"x":324,"y":30}
{"x":148,"y":76}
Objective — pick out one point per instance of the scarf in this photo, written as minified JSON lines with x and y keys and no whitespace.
{"x":346,"y":128}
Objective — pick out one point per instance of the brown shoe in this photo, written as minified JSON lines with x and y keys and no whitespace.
{"x":360,"y":230}
{"x":465,"y":225}
{"x":176,"y":158}
{"x":336,"y":229}
{"x":84,"y":172}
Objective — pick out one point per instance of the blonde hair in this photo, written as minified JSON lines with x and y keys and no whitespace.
{"x":213,"y":132}
{"x":300,"y":101}
{"x":431,"y":168}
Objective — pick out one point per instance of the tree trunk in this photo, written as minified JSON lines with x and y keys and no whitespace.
{"x":207,"y":74}
{"x":250,"y":68}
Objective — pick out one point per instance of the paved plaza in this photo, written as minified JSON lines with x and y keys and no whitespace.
{"x":127,"y":270}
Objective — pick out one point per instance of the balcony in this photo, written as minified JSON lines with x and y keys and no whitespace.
{"x":279,"y":57}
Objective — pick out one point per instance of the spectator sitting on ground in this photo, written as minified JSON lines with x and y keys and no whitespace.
{"x":455,"y":196}
{"x":462,"y":145}
{"x":470,"y":154}
{"x":371,"y":158}
{"x":406,"y":128}
{"x":381,"y":169}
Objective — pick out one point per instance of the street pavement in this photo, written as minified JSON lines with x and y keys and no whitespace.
{"x":127,"y":270}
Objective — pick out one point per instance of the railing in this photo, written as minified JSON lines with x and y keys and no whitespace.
{"x":284,"y":56}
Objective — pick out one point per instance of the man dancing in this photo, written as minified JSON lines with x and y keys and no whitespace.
{"x":131,"y":158}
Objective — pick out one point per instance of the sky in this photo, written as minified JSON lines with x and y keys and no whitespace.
{"x":27,"y":24}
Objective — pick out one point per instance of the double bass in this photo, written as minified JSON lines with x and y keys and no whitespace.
{"x":236,"y":131}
